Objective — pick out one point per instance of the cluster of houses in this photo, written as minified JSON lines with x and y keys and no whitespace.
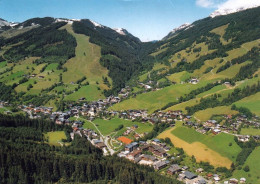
{"x":154,"y":153}
{"x":157,"y":117}
{"x":233,"y":126}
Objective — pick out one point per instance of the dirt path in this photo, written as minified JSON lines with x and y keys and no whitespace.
{"x":199,"y":150}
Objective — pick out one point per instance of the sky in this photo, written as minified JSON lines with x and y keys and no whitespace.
{"x":146,"y":19}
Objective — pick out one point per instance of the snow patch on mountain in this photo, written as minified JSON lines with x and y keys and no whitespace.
{"x":120,"y":31}
{"x":6,"y":23}
{"x":183,"y":26}
{"x":69,"y":21}
{"x":233,"y":6}
{"x":96,"y":24}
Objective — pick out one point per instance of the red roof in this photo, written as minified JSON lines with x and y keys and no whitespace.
{"x":125,"y":140}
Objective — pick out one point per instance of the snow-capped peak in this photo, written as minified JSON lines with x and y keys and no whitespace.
{"x":69,"y":21}
{"x":232,"y":7}
{"x":4,"y":23}
{"x":183,"y":26}
{"x":120,"y":31}
{"x":96,"y":24}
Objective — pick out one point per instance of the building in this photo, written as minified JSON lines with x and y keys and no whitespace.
{"x":174,"y":169}
{"x":160,"y":164}
{"x":189,"y":175}
{"x":131,"y":147}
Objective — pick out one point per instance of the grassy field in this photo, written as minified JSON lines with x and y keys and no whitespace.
{"x":3,"y":64}
{"x":90,"y":92}
{"x":179,"y":77}
{"x":221,"y":31}
{"x":106,"y":127}
{"x":205,"y":115}
{"x":213,"y":149}
{"x":252,"y":103}
{"x":52,"y":66}
{"x":200,"y":151}
{"x":250,"y":131}
{"x":86,"y":63}
{"x":55,"y":137}
{"x":183,"y":105}
{"x":157,"y":99}
{"x":253,"y":161}
{"x":218,"y":143}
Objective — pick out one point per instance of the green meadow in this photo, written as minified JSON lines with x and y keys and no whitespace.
{"x":253,"y":161}
{"x":252,"y":103}
{"x":55,"y":137}
{"x":219,"y":143}
{"x":106,"y":127}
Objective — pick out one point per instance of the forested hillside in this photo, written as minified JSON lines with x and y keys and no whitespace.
{"x":25,"y":157}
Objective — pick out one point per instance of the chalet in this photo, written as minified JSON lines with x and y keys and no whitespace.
{"x":156,"y":141}
{"x":131,"y":147}
{"x":243,"y":138}
{"x":202,"y":181}
{"x":185,"y":168}
{"x":149,"y":158}
{"x":242,"y":180}
{"x":59,"y":121}
{"x":134,"y":154}
{"x":199,"y":170}
{"x":157,"y":150}
{"x":233,"y":181}
{"x":147,"y":87}
{"x":100,"y":145}
{"x":160,"y":164}
{"x":194,"y":81}
{"x":174,"y":169}
{"x":189,"y":175}
{"x":123,"y":154}
{"x":216,"y":131}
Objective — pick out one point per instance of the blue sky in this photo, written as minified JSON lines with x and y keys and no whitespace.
{"x":146,"y":19}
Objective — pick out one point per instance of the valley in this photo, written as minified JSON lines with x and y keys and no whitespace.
{"x":181,"y":109}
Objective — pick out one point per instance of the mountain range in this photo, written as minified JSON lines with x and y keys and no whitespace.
{"x":68,"y":59}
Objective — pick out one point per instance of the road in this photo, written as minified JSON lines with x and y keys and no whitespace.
{"x":105,"y":139}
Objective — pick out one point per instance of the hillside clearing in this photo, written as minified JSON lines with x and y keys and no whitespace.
{"x":55,"y":137}
{"x":86,"y":63}
{"x":206,"y":114}
{"x":252,"y":103}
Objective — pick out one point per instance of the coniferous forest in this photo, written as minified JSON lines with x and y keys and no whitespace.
{"x":25,"y":157}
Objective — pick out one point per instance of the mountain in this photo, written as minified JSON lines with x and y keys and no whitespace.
{"x":175,"y":30}
{"x":100,"y":59}
{"x":221,"y":49}
{"x":226,"y":11}
{"x":66,"y":60}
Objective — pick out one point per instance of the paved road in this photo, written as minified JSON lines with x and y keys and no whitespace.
{"x":105,"y":139}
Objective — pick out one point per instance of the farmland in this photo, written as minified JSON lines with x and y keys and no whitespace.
{"x":156,"y":99}
{"x":214,"y":149}
{"x":205,"y":115}
{"x":200,"y":151}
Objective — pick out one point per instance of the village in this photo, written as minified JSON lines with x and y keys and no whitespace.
{"x":154,"y":153}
